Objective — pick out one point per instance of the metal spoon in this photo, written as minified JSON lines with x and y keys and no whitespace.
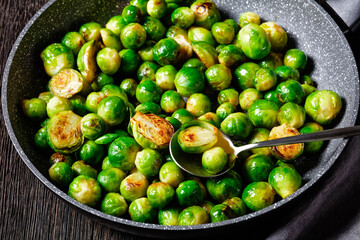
{"x":191,"y":163}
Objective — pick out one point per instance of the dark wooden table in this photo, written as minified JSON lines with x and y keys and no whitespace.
{"x":28,"y":210}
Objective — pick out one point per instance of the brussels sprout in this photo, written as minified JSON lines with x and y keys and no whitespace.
{"x":206,"y":13}
{"x":108,"y":60}
{"x":148,"y":91}
{"x":184,"y":17}
{"x":155,"y":30}
{"x":285,"y":73}
{"x":141,"y":210}
{"x":134,"y":186}
{"x":193,"y":215}
{"x":305,"y":79}
{"x":258,"y":195}
{"x":207,"y":205}
{"x":276,"y":34}
{"x":156,"y":8}
{"x":272,"y":60}
{"x":181,"y":37}
{"x":312,"y":147}
{"x":133,"y":36}
{"x":211,"y":118}
{"x":254,"y":41}
{"x":148,"y":107}
{"x":147,"y":70}
{"x":221,"y":212}
{"x":81,"y":168}
{"x":171,"y":174}
{"x":200,"y":34}
{"x":78,"y":103}
{"x":165,"y":77}
{"x":112,"y":90}
{"x":195,"y":63}
{"x":273,"y":96}
{"x":93,"y":100}
{"x":91,"y":152}
{"x":171,"y":101}
{"x":160,"y":194}
{"x":61,"y":174}
{"x":308,"y":89}
{"x":129,"y":85}
{"x":225,"y":186}
{"x":74,"y":41}
{"x":151,"y":131}
{"x":189,"y":193}
{"x":141,"y":4}
{"x":35,"y":108}
{"x":58,"y":157}
{"x":263,"y":113}
{"x":171,"y":6}
{"x":248,"y":97}
{"x":146,"y":51}
{"x":292,"y":114}
{"x":197,"y":136}
{"x":174,"y":122}
{"x":290,"y":91}
{"x":112,"y":110}
{"x":148,"y":162}
{"x":257,"y":167}
{"x":296,"y":59}
{"x":86,"y":190}
{"x":92,"y":126}
{"x":223,"y":32}
{"x":259,"y":135}
{"x":225,"y":110}
{"x":237,"y":125}
{"x":287,"y":152}
{"x":198,"y":104}
{"x":264,"y":79}
{"x":206,"y":53}
{"x":169,"y":216}
{"x":116,"y":24}
{"x":183,"y":115}
{"x":231,"y":56}
{"x":90,"y":31}
{"x":46,"y":96}
{"x":110,"y":39}
{"x":285,"y":179}
{"x":248,"y":17}
{"x":237,"y":205}
{"x":110,"y":179}
{"x":86,"y":61}
{"x":189,"y":80}
{"x":57,"y":57}
{"x":66,"y":83}
{"x":166,"y":51}
{"x":122,"y":153}
{"x":56,"y":105}
{"x":323,"y":106}
{"x":114,"y":204}
{"x":245,"y":73}
{"x":218,"y":77}
{"x":131,"y":14}
{"x":130,"y":61}
{"x":202,"y":186}
{"x":232,"y":23}
{"x":214,"y":160}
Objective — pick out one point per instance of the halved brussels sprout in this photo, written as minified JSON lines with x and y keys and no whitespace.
{"x":183,"y":115}
{"x":257,"y":168}
{"x":225,"y":186}
{"x":108,"y":60}
{"x":198,"y":104}
{"x":223,"y":32}
{"x":57,"y":57}
{"x":189,"y":80}
{"x":61,"y":174}
{"x":206,"y":53}
{"x":160,"y":194}
{"x":292,"y":114}
{"x":189,"y":193}
{"x":263,"y":113}
{"x":122,"y":153}
{"x":312,"y":147}
{"x":171,"y":174}
{"x":276,"y":34}
{"x":114,"y":204}
{"x":66,"y":83}
{"x":81,"y":168}
{"x":86,"y":61}
{"x":112,"y":110}
{"x":134,"y":186}
{"x":245,"y":73}
{"x":218,"y":77}
{"x":206,"y":13}
{"x":200,"y":34}
{"x":110,"y":39}
{"x":264,"y":79}
{"x":237,"y":125}
{"x":184,"y":17}
{"x":254,"y":41}
{"x":116,"y":24}
{"x":231,"y":56}
{"x":290,"y":91}
{"x":248,"y":17}
{"x":228,"y":95}
{"x":90,"y":31}
{"x":259,"y":135}
{"x":296,"y":59}
{"x":171,"y":101}
{"x":214,"y":160}
{"x":211,"y":118}
{"x":221,"y":212}
{"x":156,"y":8}
{"x":248,"y":97}
{"x":133,"y":36}
{"x":258,"y":195}
{"x":74,"y":41}
{"x":166,"y":51}
{"x":86,"y":190}
{"x":35,"y":108}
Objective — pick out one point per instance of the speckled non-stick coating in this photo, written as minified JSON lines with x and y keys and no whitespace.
{"x":310,"y":28}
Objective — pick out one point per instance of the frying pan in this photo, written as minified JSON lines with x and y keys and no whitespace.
{"x":309,"y":27}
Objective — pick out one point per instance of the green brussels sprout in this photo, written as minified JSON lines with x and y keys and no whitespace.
{"x":174,"y":122}
{"x":148,"y":162}
{"x":116,"y":24}
{"x":287,"y":152}
{"x":189,"y":193}
{"x":131,"y":14}
{"x":141,"y":210}
{"x":142,"y":4}
{"x":211,"y":118}
{"x":237,"y":205}
{"x":57,"y":57}
{"x":156,"y":8}
{"x":90,"y":31}
{"x":257,"y":167}
{"x":189,"y":80}
{"x":207,"y":205}
{"x":169,"y":216}
{"x":198,"y":104}
{"x":259,"y":135}
{"x":56,"y":105}
{"x":85,"y":190}
{"x":46,"y":96}
{"x":74,"y":41}
{"x":165,"y":77}
{"x":34,"y":108}
{"x":273,"y":60}
{"x":290,"y":91}
{"x":58,"y":157}
{"x":160,"y":194}
{"x":323,"y":106}
{"x":61,"y":174}
{"x":263,"y":113}
{"x":193,"y":215}
{"x":112,"y":110}
{"x":147,"y":70}
{"x":248,"y":97}
{"x":63,"y":132}
{"x":184,"y":17}
{"x":218,"y":77}
{"x":206,"y":13}
{"x":122,"y":153}
{"x":134,"y":186}
{"x":200,"y":34}
{"x":233,"y":23}
{"x":86,"y":61}
{"x":276,"y":35}
{"x":224,"y":110}
{"x":258,"y":195}
{"x":195,"y":63}
{"x":110,"y":39}
{"x":155,"y":30}
{"x":237,"y":125}
{"x":197,"y":136}
{"x":129,"y":85}
{"x":223,"y":32}
{"x":308,"y":89}
{"x":110,"y":179}
{"x":292,"y":114}
{"x":231,"y":56}
{"x":81,"y":168}
{"x":92,"y":126}
{"x":166,"y":51}
{"x":312,"y":147}
{"x":183,"y":115}
{"x":148,"y":91}
{"x":112,"y":90}
{"x":305,"y":79}
{"x":108,"y":60}
{"x":264,"y":79}
{"x":133,"y":36}
{"x":78,"y":103}
{"x":285,"y":180}
{"x":225,"y":186}
{"x":91,"y":152}
{"x":206,"y":53}
{"x":296,"y":59}
{"x":146,"y":51}
{"x":148,"y":107}
{"x":245,"y":73}
{"x":171,"y":174}
{"x":285,"y":73}
{"x":171,"y":101}
{"x":181,"y":37}
{"x":130,"y":61}
{"x":214,"y":160}
{"x":93,"y":100}
{"x":248,"y":17}
{"x":221,"y":212}
{"x":273,"y":96}
{"x":114,"y":204}
{"x":254,"y":41}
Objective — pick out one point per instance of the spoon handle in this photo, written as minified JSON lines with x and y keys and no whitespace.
{"x":303,"y":138}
